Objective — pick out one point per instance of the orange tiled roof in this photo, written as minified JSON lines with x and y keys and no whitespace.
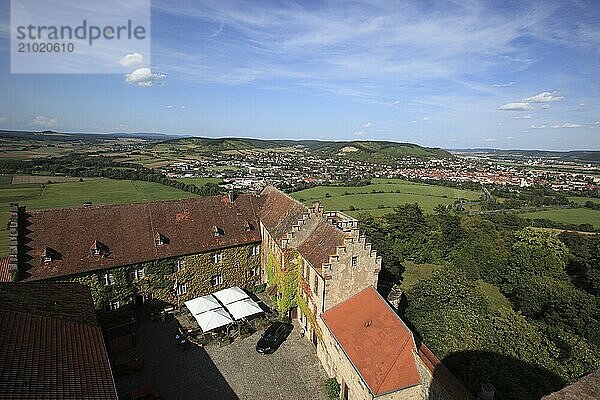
{"x":279,"y":212}
{"x":52,"y":347}
{"x":378,"y":343}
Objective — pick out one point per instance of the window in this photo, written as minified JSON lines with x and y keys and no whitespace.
{"x":106,"y":279}
{"x":256,"y":250}
{"x":179,"y":265}
{"x":136,"y":274}
{"x":305,"y":270}
{"x":112,"y":306}
{"x":316,"y":284}
{"x":181,"y":289}
{"x":354,"y":261}
{"x":217,"y":258}
{"x":217,"y":280}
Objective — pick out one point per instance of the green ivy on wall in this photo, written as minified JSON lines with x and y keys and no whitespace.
{"x":285,"y":277}
{"x":237,"y":267}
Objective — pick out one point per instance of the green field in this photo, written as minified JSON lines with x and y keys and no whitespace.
{"x":494,"y":296}
{"x":74,"y":194}
{"x":583,"y":200}
{"x":575,"y":216}
{"x":395,"y":192}
{"x":199,"y":181}
{"x":413,"y":273}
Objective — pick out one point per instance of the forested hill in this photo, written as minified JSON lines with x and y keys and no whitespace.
{"x":378,"y":151}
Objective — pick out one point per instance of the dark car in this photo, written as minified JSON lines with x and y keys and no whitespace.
{"x":127,"y":364}
{"x":273,"y":337}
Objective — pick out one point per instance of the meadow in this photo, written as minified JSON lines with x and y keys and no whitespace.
{"x":568,"y":216}
{"x":199,"y":181}
{"x":74,"y":194}
{"x":382,"y":195}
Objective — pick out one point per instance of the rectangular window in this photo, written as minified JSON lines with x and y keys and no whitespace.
{"x":106,"y":279}
{"x":136,"y":274}
{"x":112,"y":306}
{"x":256,"y":250}
{"x":217,"y":258}
{"x":354,"y":261}
{"x":217,"y":280}
{"x":316,"y":284}
{"x":181,"y":289}
{"x":179,"y":265}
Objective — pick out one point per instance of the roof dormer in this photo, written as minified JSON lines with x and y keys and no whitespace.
{"x":49,"y":255}
{"x":248,"y":226}
{"x":160,"y":239}
{"x":217,"y":232}
{"x":99,"y":249}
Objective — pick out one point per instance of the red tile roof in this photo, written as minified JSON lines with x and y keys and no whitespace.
{"x":321,"y":243}
{"x":377,"y":342}
{"x":279,"y":212}
{"x":127,"y":233}
{"x":52,"y":347}
{"x":4,"y":272}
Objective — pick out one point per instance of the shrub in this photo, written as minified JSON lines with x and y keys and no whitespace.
{"x":332,"y":387}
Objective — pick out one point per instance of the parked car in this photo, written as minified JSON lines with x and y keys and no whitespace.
{"x":273,"y":337}
{"x":127,"y":364}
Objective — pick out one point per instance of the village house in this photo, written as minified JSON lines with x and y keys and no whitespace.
{"x":318,"y":267}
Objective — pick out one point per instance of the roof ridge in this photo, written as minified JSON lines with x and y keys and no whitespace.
{"x":97,"y":206}
{"x":395,"y":359}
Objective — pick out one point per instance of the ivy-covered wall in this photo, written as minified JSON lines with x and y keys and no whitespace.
{"x":238,"y":267}
{"x":284,"y":276}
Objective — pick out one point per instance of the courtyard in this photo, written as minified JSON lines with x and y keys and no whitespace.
{"x":235,"y":371}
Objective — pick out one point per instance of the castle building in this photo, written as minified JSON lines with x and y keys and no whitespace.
{"x":319,"y":268}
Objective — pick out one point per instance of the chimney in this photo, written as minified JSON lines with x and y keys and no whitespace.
{"x":317,"y":208}
{"x":231,"y":196}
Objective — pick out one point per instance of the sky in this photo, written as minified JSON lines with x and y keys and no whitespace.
{"x":451,"y":74}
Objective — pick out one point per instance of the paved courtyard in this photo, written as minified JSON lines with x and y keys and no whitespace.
{"x":235,"y":371}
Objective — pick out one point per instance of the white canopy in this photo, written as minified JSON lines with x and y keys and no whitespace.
{"x":230,"y":295}
{"x":213,"y":319}
{"x":243,"y":308}
{"x":202,"y":304}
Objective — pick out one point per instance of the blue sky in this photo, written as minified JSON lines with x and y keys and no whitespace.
{"x":451,"y":74}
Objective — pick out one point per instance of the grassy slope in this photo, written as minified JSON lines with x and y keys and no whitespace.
{"x":74,"y":194}
{"x":583,"y":200}
{"x":568,"y":216}
{"x":413,"y":273}
{"x":361,"y":198}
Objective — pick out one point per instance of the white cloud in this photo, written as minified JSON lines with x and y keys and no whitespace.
{"x":169,"y":107}
{"x":581,"y":104}
{"x":132,"y":60}
{"x":545,"y":106}
{"x":426,"y":119}
{"x":567,"y":125}
{"x":395,"y":102}
{"x":528,"y":116}
{"x":145,"y":77}
{"x":490,"y":139}
{"x":359,"y":133}
{"x":516,"y":106}
{"x":510,"y":137}
{"x":182,"y":107}
{"x":544,"y":97}
{"x":367,"y":125}
{"x":3,"y":119}
{"x":503,"y":84}
{"x":43,"y":121}
{"x":537,"y":126}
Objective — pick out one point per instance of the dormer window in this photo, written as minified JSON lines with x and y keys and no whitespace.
{"x":160,"y":239}
{"x":99,"y":249}
{"x":249,"y":226}
{"x":217,"y":231}
{"x":49,"y":255}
